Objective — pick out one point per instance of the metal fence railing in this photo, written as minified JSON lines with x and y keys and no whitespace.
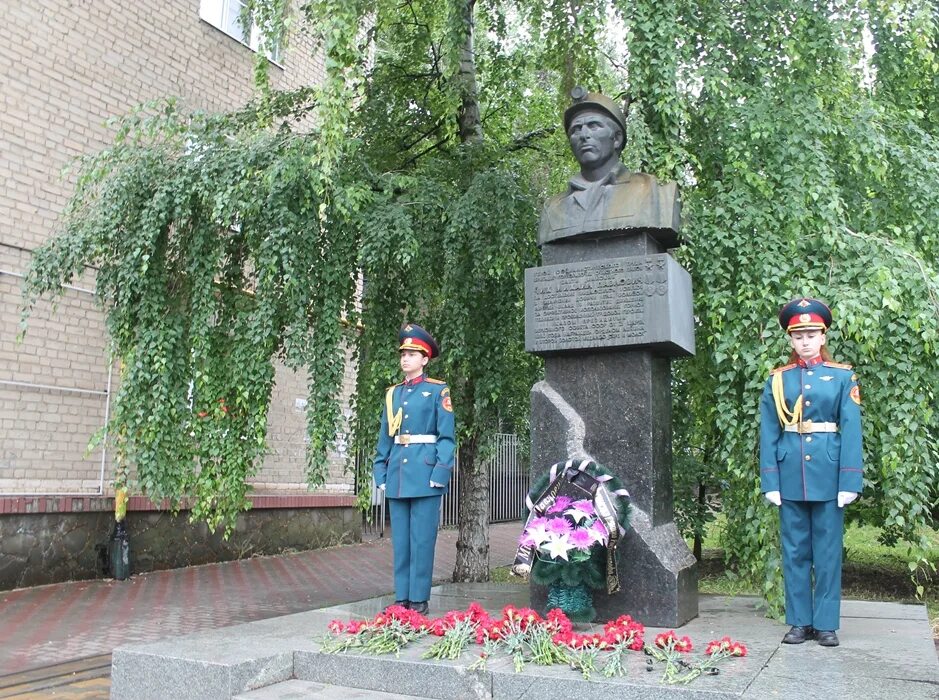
{"x":508,"y":486}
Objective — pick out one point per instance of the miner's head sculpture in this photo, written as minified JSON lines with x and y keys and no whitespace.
{"x":595,"y":127}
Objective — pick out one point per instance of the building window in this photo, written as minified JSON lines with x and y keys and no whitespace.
{"x":225,"y":15}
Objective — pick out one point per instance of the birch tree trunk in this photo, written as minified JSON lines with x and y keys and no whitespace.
{"x":472,"y":547}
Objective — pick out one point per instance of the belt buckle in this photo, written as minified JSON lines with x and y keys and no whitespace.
{"x":805,"y":427}
{"x":404,"y":439}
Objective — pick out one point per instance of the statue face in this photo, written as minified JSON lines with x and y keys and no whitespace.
{"x":594,"y":137}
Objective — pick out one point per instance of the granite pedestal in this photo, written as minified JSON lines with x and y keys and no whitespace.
{"x":608,"y":312}
{"x":887,"y":650}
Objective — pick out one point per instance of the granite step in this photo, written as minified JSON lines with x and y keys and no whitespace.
{"x":308,"y":690}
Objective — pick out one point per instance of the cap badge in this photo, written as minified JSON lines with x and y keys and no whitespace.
{"x":805,"y":318}
{"x":803,"y":303}
{"x":409,"y":328}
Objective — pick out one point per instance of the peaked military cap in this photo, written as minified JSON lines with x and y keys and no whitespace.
{"x":805,"y":314}
{"x":413,"y":337}
{"x":593,"y":100}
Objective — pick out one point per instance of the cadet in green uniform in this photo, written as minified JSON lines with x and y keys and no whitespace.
{"x":414,"y":463}
{"x":810,"y":466}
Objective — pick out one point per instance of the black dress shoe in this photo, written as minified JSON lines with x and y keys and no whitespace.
{"x":798,"y":634}
{"x":827,"y":638}
{"x":419,"y":607}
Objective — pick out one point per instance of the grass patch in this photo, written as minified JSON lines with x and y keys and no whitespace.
{"x":871,"y":570}
{"x":502,"y":575}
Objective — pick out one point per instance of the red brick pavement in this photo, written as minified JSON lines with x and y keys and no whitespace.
{"x":61,"y":622}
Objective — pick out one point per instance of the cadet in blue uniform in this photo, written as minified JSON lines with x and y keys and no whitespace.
{"x":414,"y":463}
{"x":810,"y":466}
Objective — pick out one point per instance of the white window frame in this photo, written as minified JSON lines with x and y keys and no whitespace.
{"x":224,"y":14}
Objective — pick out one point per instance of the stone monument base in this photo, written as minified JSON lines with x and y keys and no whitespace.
{"x":886,"y":651}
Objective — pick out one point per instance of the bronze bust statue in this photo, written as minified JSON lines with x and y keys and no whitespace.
{"x":605,"y":197}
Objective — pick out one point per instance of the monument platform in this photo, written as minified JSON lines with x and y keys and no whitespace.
{"x":887,"y":650}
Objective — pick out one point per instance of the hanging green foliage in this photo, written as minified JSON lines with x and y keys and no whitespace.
{"x":804,"y":137}
{"x":211,"y":263}
{"x":810,"y":168}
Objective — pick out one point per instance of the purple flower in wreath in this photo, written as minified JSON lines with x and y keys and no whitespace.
{"x":579,"y":510}
{"x":581,"y":538}
{"x":598,"y":532}
{"x":537,"y":531}
{"x":560,"y":505}
{"x":559,"y":526}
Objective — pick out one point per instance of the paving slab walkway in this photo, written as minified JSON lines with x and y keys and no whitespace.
{"x":64,"y":622}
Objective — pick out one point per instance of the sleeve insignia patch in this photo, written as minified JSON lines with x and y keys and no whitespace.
{"x":856,"y":394}
{"x":447,"y":404}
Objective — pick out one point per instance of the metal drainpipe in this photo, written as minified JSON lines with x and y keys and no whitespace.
{"x":64,"y":286}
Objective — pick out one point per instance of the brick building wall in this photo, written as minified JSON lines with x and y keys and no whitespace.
{"x":66,"y":66}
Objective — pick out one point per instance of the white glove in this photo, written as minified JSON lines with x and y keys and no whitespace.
{"x":773,"y":497}
{"x":846,"y":497}
{"x":382,"y":487}
{"x":435,"y":485}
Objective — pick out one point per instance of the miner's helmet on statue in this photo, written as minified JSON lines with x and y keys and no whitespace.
{"x":413,"y":337}
{"x":804,"y":314}
{"x":584,"y":100}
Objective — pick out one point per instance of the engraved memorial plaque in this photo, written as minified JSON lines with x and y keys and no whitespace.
{"x":642,"y":301}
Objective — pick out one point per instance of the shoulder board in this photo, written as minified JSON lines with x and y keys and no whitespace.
{"x":782,"y":369}
{"x":393,"y":386}
{"x":434,"y":381}
{"x":839,"y":365}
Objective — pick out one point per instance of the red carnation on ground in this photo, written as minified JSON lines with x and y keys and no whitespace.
{"x":670,"y":640}
{"x":336,"y":626}
{"x":559,"y":621}
{"x":725,"y":646}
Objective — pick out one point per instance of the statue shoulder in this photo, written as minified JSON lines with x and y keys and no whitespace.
{"x":646,"y":180}
{"x":555,"y":200}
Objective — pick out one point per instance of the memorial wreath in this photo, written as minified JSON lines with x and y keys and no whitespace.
{"x":578,"y":512}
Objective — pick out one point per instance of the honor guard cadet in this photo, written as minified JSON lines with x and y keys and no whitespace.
{"x":810,"y":467}
{"x":413,"y":464}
